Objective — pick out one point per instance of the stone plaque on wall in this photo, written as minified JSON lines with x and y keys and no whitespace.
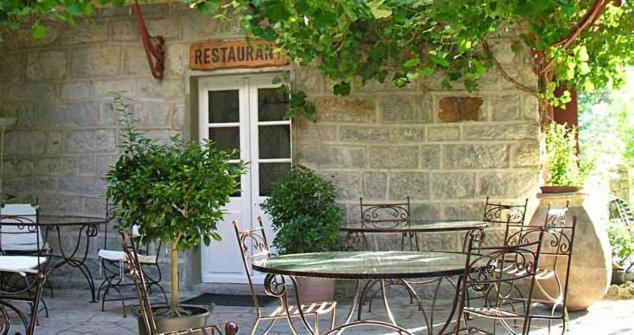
{"x":212,"y":55}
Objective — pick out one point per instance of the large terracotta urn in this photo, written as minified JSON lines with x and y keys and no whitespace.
{"x":591,"y":258}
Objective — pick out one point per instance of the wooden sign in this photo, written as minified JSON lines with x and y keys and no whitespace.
{"x":212,"y":55}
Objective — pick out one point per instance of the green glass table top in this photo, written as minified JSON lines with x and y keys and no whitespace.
{"x":420,"y":226}
{"x":365,"y":264}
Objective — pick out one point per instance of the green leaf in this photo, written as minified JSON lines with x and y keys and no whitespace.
{"x":413,"y":62}
{"x":378,"y":10}
{"x":38,"y":31}
{"x":342,"y":88}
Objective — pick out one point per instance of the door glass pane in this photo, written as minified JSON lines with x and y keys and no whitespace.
{"x":224,"y":106}
{"x":271,"y":104}
{"x":275,"y":141}
{"x":269,"y":174}
{"x":226,"y":139}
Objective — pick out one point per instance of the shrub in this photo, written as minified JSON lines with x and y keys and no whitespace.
{"x":565,"y":167}
{"x":304,"y":213}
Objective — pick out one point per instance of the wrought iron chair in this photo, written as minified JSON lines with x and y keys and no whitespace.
{"x":255,"y":240}
{"x":134,"y":268}
{"x":504,"y":213}
{"x":388,"y":215}
{"x":117,"y":279}
{"x":556,"y":259}
{"x":22,"y":277}
{"x":499,"y":271}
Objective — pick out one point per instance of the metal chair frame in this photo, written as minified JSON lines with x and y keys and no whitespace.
{"x":260,"y":246}
{"x":115,"y":278}
{"x":143,"y":296}
{"x":486,"y":270}
{"x":23,"y":286}
{"x":504,"y":213}
{"x":557,"y":244}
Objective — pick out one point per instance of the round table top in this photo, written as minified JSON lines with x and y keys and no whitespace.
{"x":421,"y":226}
{"x":365,"y":264}
{"x":70,"y":220}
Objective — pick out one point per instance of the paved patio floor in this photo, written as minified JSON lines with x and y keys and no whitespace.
{"x":73,"y":314}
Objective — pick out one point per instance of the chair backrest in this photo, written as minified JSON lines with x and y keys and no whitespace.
{"x":385,"y":215}
{"x":253,"y":245}
{"x":19,"y":231}
{"x":504,"y":213}
{"x":501,"y":269}
{"x":143,"y":297}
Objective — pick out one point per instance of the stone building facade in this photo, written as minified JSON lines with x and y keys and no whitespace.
{"x":445,"y":152}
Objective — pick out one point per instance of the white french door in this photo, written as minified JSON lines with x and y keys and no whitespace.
{"x":243,"y":112}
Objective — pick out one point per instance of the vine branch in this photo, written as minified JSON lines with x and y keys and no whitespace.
{"x":505,"y":75}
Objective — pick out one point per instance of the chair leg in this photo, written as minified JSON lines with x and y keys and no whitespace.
{"x":255,"y":326}
{"x":36,"y":306}
{"x":333,"y":318}
{"x":316,"y":323}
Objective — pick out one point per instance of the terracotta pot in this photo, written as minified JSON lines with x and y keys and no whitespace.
{"x":198,"y":318}
{"x":591,"y":266}
{"x":315,"y":289}
{"x":559,"y":189}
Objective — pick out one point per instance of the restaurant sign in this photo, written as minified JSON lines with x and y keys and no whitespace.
{"x":212,"y":55}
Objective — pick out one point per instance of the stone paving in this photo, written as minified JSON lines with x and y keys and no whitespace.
{"x":73,"y":314}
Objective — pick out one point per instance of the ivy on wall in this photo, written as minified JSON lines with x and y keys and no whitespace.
{"x":580,"y":44}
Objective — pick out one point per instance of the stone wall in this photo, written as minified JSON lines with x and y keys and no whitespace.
{"x":381,"y":143}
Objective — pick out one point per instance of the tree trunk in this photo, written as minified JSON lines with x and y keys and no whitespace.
{"x":174,"y":277}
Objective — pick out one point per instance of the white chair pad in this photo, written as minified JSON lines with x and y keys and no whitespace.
{"x":120,"y":256}
{"x":20,"y":264}
{"x":23,"y":247}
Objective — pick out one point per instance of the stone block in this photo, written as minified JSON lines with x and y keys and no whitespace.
{"x":32,"y":184}
{"x":409,"y":184}
{"x":364,"y":134}
{"x":105,"y":88}
{"x":83,"y":185}
{"x":77,"y":91}
{"x":135,"y":61}
{"x":501,"y":49}
{"x":41,"y":92}
{"x":452,"y":185}
{"x":126,"y":30}
{"x":54,"y":166}
{"x":153,"y":114}
{"x":375,"y":185}
{"x":443,"y":133}
{"x":47,"y":65}
{"x":408,"y":134}
{"x":404,"y":108}
{"x":530,"y":107}
{"x":177,"y":59}
{"x":348,"y":109}
{"x":96,"y":61}
{"x":331,"y":156}
{"x":509,"y":184}
{"x":423,"y":211}
{"x":308,"y":79}
{"x":347,"y":184}
{"x":55,"y":203}
{"x":505,"y":107}
{"x":84,"y":32}
{"x":202,"y":26}
{"x":74,"y":114}
{"x":394,"y":157}
{"x":10,"y":67}
{"x":308,"y":131}
{"x":166,"y":90}
{"x":463,"y":210}
{"x":430,"y":157}
{"x":454,"y":109}
{"x":101,"y":141}
{"x":502,"y":132}
{"x":54,"y":142}
{"x":525,"y":154}
{"x":475,"y":156}
{"x":103,"y":163}
{"x":25,"y":142}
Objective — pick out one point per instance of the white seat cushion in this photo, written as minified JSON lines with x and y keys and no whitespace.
{"x":15,"y":238}
{"x":20,"y":264}
{"x":120,"y":256}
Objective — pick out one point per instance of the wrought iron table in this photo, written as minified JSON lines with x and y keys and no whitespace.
{"x":359,"y":266}
{"x":356,"y":236}
{"x":72,"y":252}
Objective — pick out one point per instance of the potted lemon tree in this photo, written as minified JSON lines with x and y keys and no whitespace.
{"x":175,"y":193}
{"x":306,"y":219}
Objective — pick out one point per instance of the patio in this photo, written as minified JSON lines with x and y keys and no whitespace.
{"x":72,"y":314}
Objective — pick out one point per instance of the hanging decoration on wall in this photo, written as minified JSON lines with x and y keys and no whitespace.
{"x":155,"y":52}
{"x":212,"y":55}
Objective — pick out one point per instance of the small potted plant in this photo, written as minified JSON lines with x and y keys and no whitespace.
{"x":306,"y":219}
{"x":175,"y":193}
{"x":566,"y":170}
